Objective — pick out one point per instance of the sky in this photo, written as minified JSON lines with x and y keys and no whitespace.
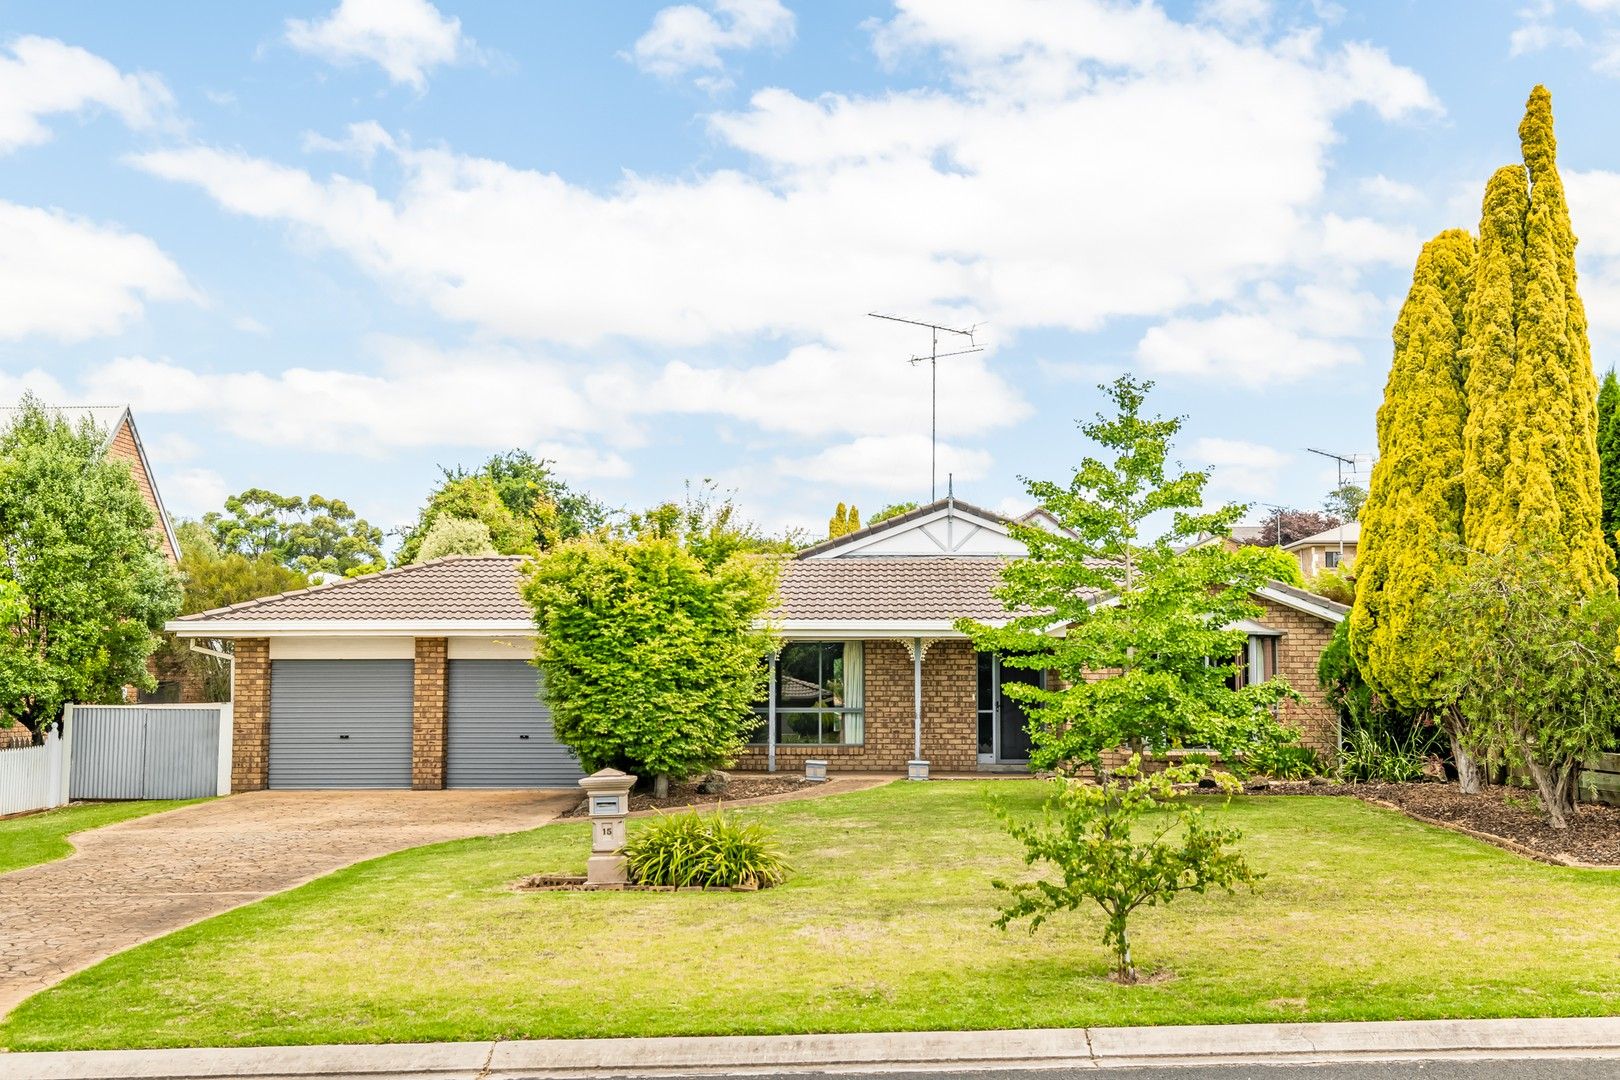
{"x":331,"y":247}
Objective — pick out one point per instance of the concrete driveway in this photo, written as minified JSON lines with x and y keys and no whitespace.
{"x":137,"y":880}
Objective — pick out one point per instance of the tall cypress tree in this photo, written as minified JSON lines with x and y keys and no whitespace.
{"x":1553,"y":466}
{"x":1412,"y":523}
{"x":1489,"y":352}
{"x":1609,"y":458}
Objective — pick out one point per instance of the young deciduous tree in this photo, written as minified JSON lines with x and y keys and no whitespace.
{"x":1412,"y":525}
{"x":523,"y":505}
{"x":1099,"y":841}
{"x":1533,"y":669}
{"x":85,"y":586}
{"x":649,"y":644}
{"x":1155,"y":613}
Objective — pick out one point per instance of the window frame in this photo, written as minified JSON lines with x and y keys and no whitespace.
{"x":762,"y":734}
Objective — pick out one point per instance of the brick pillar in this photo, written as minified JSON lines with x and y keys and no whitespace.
{"x":250,"y":715}
{"x":428,"y":715}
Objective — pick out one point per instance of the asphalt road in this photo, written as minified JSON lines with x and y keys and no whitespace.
{"x":1494,"y":1069}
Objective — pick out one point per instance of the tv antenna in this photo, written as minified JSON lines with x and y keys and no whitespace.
{"x":934,"y":356}
{"x":1342,"y":461}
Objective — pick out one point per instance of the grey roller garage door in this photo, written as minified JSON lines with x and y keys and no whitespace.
{"x":500,"y":732}
{"x":340,"y":723}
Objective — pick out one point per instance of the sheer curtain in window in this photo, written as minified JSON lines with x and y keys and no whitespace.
{"x":854,"y":692}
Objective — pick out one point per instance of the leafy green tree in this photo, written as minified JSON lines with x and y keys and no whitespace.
{"x":1097,"y":840}
{"x":214,"y":579}
{"x":705,"y":522}
{"x":1412,"y":525}
{"x":515,"y":495}
{"x":890,"y":511}
{"x":86,"y":586}
{"x":1164,"y":633}
{"x":1534,"y":670}
{"x":649,"y":644}
{"x":1609,"y":458}
{"x":1530,"y":455}
{"x":1345,"y":501}
{"x":456,"y":536}
{"x":470,"y":498}
{"x":313,"y":535}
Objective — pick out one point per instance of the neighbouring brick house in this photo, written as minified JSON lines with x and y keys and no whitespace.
{"x":421,"y":676}
{"x":1327,"y":550}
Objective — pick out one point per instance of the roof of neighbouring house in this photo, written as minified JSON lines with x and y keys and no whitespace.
{"x":1349,"y":532}
{"x":108,"y":419}
{"x":1308,"y":602}
{"x":473,"y":589}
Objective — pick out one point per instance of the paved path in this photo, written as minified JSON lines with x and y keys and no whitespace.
{"x":1444,"y":1049}
{"x":137,"y":880}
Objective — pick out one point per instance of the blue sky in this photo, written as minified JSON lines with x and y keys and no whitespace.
{"x":328,"y":248}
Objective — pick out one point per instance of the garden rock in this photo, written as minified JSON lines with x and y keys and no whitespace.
{"x":714,"y":782}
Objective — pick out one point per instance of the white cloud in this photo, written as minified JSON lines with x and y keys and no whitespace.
{"x":422,"y":397}
{"x":685,"y":37}
{"x":172,"y":448}
{"x":1241,"y":470}
{"x":42,"y":384}
{"x":70,"y":279}
{"x":1248,"y":349}
{"x":249,"y":325}
{"x":1594,"y":208}
{"x":1362,"y":240}
{"x":192,"y":492}
{"x":887,"y":463}
{"x":43,"y":77}
{"x":406,"y":38}
{"x":1383,"y":189}
{"x":1235,"y":13}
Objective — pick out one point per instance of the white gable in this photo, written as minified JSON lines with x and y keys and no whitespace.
{"x":949,"y":530}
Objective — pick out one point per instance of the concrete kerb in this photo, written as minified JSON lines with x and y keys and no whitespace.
{"x":1097,"y":1048}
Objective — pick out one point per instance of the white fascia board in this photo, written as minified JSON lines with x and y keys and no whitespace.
{"x":1288,"y":601}
{"x":863,"y":628}
{"x":879,"y":535}
{"x":241,"y":628}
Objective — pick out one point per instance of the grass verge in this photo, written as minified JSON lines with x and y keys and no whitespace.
{"x":43,"y":838}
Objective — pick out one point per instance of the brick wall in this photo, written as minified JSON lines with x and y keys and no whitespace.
{"x":428,"y":715}
{"x":950,"y":726}
{"x":123,"y":448}
{"x":250,"y":724}
{"x":1301,"y":646}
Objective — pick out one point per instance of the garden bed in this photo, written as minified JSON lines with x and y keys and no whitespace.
{"x":1506,"y":816}
{"x":736,"y":789}
{"x":575,"y":883}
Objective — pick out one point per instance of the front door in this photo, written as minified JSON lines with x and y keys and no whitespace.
{"x":1003,"y":730}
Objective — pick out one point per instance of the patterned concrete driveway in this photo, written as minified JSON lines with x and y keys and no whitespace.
{"x":137,"y":880}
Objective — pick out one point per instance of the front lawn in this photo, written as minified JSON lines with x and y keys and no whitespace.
{"x":1365,"y":915}
{"x":42,"y":838}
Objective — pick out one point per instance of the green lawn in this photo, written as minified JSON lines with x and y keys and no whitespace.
{"x":1364,"y":915}
{"x":42,"y":838}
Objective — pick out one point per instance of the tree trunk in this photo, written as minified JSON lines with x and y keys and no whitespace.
{"x":1127,"y":970}
{"x":1552,"y":792}
{"x":661,"y":786}
{"x":1468,"y":770}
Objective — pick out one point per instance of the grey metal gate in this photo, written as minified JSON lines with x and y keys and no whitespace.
{"x":340,"y":723}
{"x":141,"y":752}
{"x":500,"y":733}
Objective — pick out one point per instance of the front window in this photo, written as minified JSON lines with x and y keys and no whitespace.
{"x":1257,"y":662}
{"x":820,"y":695}
{"x":1332,"y":558}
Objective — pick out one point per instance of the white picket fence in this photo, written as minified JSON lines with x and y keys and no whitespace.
{"x":124,"y":752}
{"x":34,"y":777}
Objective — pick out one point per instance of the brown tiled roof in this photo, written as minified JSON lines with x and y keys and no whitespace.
{"x":481,"y":587}
{"x":924,"y":587}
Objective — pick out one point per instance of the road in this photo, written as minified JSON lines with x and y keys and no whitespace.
{"x":1505,"y":1068}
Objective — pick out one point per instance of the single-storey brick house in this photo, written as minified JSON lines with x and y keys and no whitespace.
{"x":420,"y":676}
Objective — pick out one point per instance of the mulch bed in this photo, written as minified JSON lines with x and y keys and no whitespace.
{"x":684,"y":795}
{"x":1508,"y":817}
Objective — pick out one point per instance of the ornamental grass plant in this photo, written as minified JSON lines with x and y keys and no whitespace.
{"x":690,"y":849}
